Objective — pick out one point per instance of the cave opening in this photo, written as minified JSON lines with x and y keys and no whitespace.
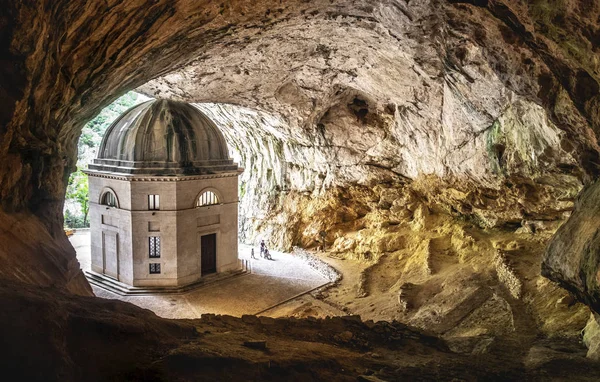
{"x":113,"y":240}
{"x":435,"y":161}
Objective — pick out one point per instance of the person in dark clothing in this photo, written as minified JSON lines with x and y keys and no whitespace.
{"x":252,"y":254}
{"x":263,"y":248}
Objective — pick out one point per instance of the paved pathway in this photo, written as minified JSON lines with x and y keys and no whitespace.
{"x":271,"y":282}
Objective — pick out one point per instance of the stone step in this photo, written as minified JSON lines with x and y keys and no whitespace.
{"x":117,"y":287}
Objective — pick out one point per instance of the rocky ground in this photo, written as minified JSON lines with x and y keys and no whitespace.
{"x":57,"y":336}
{"x":434,"y":288}
{"x":421,"y":266}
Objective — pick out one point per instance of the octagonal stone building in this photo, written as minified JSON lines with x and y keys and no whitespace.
{"x":163,"y":198}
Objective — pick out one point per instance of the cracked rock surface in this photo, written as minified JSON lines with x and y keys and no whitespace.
{"x":358,"y":116}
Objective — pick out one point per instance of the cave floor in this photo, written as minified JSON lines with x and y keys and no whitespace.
{"x":90,"y":339}
{"x":270,"y":282}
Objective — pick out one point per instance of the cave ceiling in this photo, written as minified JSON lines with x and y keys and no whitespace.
{"x":428,"y":74}
{"x":411,"y":87}
{"x":490,"y":94}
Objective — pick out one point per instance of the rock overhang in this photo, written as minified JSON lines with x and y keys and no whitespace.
{"x":517,"y":43}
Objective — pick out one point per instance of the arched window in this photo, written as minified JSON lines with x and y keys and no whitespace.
{"x":208,"y":198}
{"x":109,"y":199}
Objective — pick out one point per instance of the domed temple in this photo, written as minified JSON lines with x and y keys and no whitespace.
{"x":163,"y":198}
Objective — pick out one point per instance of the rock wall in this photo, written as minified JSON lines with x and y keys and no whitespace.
{"x":591,"y":337}
{"x":282,"y":176}
{"x":489,"y":108}
{"x":572,"y":258}
{"x":408,"y":92}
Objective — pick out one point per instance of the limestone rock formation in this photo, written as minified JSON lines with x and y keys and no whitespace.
{"x":420,"y":265}
{"x":482,"y":107}
{"x":407,"y":91}
{"x":591,"y":337}
{"x":573,"y":255}
{"x":370,"y":115}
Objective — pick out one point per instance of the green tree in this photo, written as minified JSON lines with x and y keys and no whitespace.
{"x":93,"y":131}
{"x":91,"y":137}
{"x":78,"y":190}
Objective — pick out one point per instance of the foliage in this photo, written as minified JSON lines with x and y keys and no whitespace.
{"x":91,"y":137}
{"x":92,"y":132}
{"x":74,"y":220}
{"x":78,"y":190}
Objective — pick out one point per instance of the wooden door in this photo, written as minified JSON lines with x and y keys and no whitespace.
{"x":208,"y":253}
{"x":110,"y":254}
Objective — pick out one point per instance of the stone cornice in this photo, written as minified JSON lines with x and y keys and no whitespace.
{"x":147,"y":178}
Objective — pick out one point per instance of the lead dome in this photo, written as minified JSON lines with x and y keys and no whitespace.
{"x":163,"y":137}
{"x":163,"y":201}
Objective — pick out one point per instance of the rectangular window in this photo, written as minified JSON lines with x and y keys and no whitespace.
{"x":153,"y":202}
{"x":154,"y":246}
{"x":154,"y":268}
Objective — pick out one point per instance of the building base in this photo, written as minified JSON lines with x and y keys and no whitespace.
{"x":117,"y":287}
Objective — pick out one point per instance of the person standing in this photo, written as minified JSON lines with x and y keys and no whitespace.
{"x":252,"y":254}
{"x":263,"y":248}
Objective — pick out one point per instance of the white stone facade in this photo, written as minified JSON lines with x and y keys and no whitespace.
{"x":179,"y":224}
{"x":152,"y":232}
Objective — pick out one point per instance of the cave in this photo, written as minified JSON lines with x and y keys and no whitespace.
{"x":441,"y":158}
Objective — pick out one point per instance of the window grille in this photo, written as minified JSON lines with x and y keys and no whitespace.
{"x":207,"y":198}
{"x":109,"y":199}
{"x":154,"y":202}
{"x":154,"y":246}
{"x":154,"y":268}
